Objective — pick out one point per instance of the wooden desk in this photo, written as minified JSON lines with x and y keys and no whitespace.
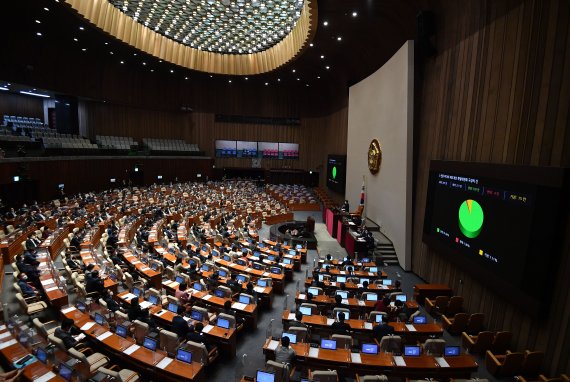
{"x":56,"y":297}
{"x":87,"y":258}
{"x":421,"y":291}
{"x":277,"y":279}
{"x":348,"y":364}
{"x":141,"y":358}
{"x":354,"y":245}
{"x":154,"y":278}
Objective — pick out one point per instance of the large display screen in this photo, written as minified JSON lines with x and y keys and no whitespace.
{"x":253,"y":149}
{"x":498,"y":222}
{"x":336,"y":173}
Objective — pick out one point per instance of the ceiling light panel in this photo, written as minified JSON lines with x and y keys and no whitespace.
{"x":221,"y":26}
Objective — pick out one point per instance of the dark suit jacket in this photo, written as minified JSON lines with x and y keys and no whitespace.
{"x":66,"y":337}
{"x":382,"y":330}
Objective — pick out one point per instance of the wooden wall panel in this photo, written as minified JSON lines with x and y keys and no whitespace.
{"x":498,"y":91}
{"x":24,"y":106}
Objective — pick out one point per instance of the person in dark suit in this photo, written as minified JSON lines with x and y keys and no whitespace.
{"x":340,"y":327}
{"x":67,"y":333}
{"x":180,"y":326}
{"x":93,"y":283}
{"x":233,"y":284}
{"x":297,"y":321}
{"x":27,"y":289}
{"x":73,"y":264}
{"x":381,"y":330}
{"x":30,"y":243}
{"x":195,"y":335}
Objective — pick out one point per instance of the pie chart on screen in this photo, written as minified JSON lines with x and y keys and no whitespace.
{"x":471,"y":218}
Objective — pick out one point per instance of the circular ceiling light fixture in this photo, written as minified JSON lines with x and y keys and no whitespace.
{"x":216,"y":36}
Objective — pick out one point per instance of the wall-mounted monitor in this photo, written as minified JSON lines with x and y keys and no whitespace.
{"x":226,"y":149}
{"x":500,"y":223}
{"x":336,"y":173}
{"x":246,"y":149}
{"x":288,"y":150}
{"x":268,"y":150}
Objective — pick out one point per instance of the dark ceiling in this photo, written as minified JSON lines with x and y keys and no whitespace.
{"x":370,"y":32}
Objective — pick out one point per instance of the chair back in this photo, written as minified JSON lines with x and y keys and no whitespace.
{"x":281,"y":370}
{"x":434,"y":346}
{"x":373,"y":378}
{"x":314,"y":308}
{"x":230,"y":318}
{"x":227,"y":291}
{"x":202,"y":310}
{"x":455,"y":305}
{"x":483,"y":342}
{"x":251,"y":299}
{"x":374,"y":313}
{"x":325,"y":375}
{"x":501,"y":342}
{"x":512,"y":365}
{"x":129,"y":281}
{"x":170,"y":273}
{"x":459,"y":324}
{"x":342,"y":341}
{"x":199,"y":351}
{"x":300,"y":332}
{"x":22,"y":302}
{"x":341,"y":310}
{"x":532,"y":363}
{"x":475,"y":323}
{"x":141,"y":330}
{"x":57,"y":342}
{"x":168,"y":341}
{"x":79,"y":356}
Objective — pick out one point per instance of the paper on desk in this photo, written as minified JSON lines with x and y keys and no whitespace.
{"x":161,"y":313}
{"x":441,"y":362}
{"x":368,"y":325}
{"x":361,"y":303}
{"x":342,"y":272}
{"x":145,"y":304}
{"x":272,"y":345}
{"x":8,"y":343}
{"x":2,"y":327}
{"x":47,"y":282}
{"x":165,"y":362}
{"x":128,"y":296}
{"x":68,"y":309}
{"x":382,"y":286}
{"x":344,"y":301}
{"x":107,"y":334}
{"x":135,"y":262}
{"x":265,"y":274}
{"x":87,"y":326}
{"x":355,"y":357}
{"x":330,"y":321}
{"x":333,"y":283}
{"x":131,"y":349}
{"x":314,"y":352}
{"x":291,"y":316}
{"x":302,"y":296}
{"x":207,"y":297}
{"x":52,"y":288}
{"x":46,"y":377}
{"x":410,"y":327}
{"x":145,"y":268}
{"x":399,"y":361}
{"x":248,"y":269}
{"x":207,"y":329}
{"x":239,"y":305}
{"x":370,"y":273}
{"x":5,"y":334}
{"x":187,"y":319}
{"x":259,"y":289}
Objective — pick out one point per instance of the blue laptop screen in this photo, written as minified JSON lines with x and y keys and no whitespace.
{"x":286,"y":260}
{"x":378,"y":318}
{"x":264,"y":376}
{"x":386,"y":282}
{"x":223,"y":323}
{"x":150,"y":343}
{"x":153,"y":299}
{"x":340,"y":279}
{"x":196,"y":315}
{"x":342,"y":293}
{"x":373,"y":269}
{"x":292,"y":337}
{"x":137,"y":292}
{"x":401,"y":297}
{"x":222,"y":273}
{"x":262,"y":283}
{"x":452,"y":351}
{"x":219,"y":293}
{"x":173,"y":307}
{"x":65,"y":371}
{"x":179,"y":279}
{"x":121,"y":331}
{"x":41,"y":355}
{"x":292,"y":252}
{"x":277,"y":271}
{"x":99,"y":319}
{"x":184,"y":356}
{"x":411,"y":351}
{"x":313,"y":291}
{"x":370,"y":348}
{"x":328,"y":344}
{"x":197,"y":286}
{"x":241,"y":278}
{"x":420,"y":320}
{"x":371,"y":297}
{"x":244,"y":299}
{"x":305,"y":311}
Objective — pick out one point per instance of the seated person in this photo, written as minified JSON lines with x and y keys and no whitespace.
{"x":181,"y":293}
{"x":283,"y":353}
{"x":195,"y":335}
{"x":381,"y":330}
{"x":233,"y":284}
{"x":383,"y":305}
{"x":93,"y":283}
{"x":137,"y":313}
{"x":180,"y":326}
{"x":68,"y":334}
{"x":27,"y":290}
{"x":249,"y":290}
{"x":73,"y":264}
{"x":112,"y":305}
{"x":212,"y":281}
{"x":297,"y":321}
{"x":228,"y":310}
{"x":340,"y":327}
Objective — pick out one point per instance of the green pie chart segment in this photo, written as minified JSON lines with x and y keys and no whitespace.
{"x":471,"y":218}
{"x":334,"y":172}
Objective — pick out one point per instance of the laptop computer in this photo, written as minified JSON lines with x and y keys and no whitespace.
{"x":121,"y":331}
{"x":411,"y":351}
{"x":196,"y":315}
{"x":452,"y":351}
{"x":287,"y":260}
{"x":222,"y":273}
{"x":99,"y":319}
{"x":264,"y":376}
{"x":276,"y":270}
{"x":370,"y":349}
{"x":173,"y":307}
{"x":137,"y":292}
{"x":328,"y":344}
{"x":197,"y":286}
{"x":244,"y":299}
{"x":41,"y":354}
{"x":373,"y":269}
{"x":179,"y":279}
{"x":241,"y":278}
{"x":342,"y":293}
{"x":401,"y":297}
{"x":306,"y":311}
{"x":150,"y":343}
{"x":420,"y":320}
{"x":219,"y":293}
{"x":387,"y":282}
{"x":292,"y":337}
{"x":340,"y":279}
{"x":184,"y":355}
{"x":371,"y":297}
{"x":378,"y":318}
{"x":262,"y":283}
{"x":153,"y":299}
{"x":292,"y":252}
{"x":65,"y":371}
{"x":313,"y":291}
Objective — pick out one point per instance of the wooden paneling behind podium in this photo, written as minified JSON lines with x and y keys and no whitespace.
{"x":498,"y":91}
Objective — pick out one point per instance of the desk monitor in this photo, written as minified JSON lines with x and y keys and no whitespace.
{"x":285,"y":243}
{"x":261,"y":245}
{"x":378,"y":318}
{"x":150,"y":343}
{"x":137,"y":292}
{"x":411,"y":351}
{"x":366,"y":260}
{"x":240,"y":278}
{"x":184,"y":355}
{"x":328,"y":344}
{"x":342,"y":293}
{"x":276,"y":248}
{"x":276,"y":270}
{"x":257,"y":266}
{"x":153,"y":299}
{"x":262,"y":283}
{"x":264,"y":376}
{"x":205,"y":248}
{"x":197,"y":286}
{"x":313,"y":291}
{"x":99,"y":319}
{"x":401,"y":297}
{"x":244,"y":299}
{"x":298,"y":246}
{"x":387,"y":282}
{"x":287,"y":260}
{"x":373,"y":269}
{"x":340,"y":279}
{"x":256,"y":254}
{"x":173,"y":307}
{"x":41,"y":354}
{"x":271,"y":258}
{"x":241,"y":262}
{"x":154,"y":266}
{"x":205,"y":267}
{"x":215,"y":253}
{"x":219,"y":293}
{"x":292,"y":337}
{"x":121,"y":331}
{"x":321,"y":277}
{"x":370,"y":349}
{"x":179,"y":279}
{"x":452,"y":351}
{"x":65,"y":371}
{"x":292,"y":252}
{"x":227,"y":258}
{"x":306,"y":311}
{"x":223,"y":323}
{"x":371,"y":297}
{"x":196,"y":315}
{"x":81,"y":306}
{"x":222,"y":273}
{"x":420,"y":320}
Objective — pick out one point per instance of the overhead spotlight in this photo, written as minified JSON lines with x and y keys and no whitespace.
{"x":171,"y":71}
{"x":325,"y":23}
{"x":293,"y":70}
{"x":230,"y":81}
{"x":122,"y":62}
{"x":185,"y":78}
{"x":46,"y":9}
{"x":327,"y":67}
{"x":339,"y":38}
{"x":311,"y":45}
{"x":75,"y":39}
{"x":84,"y":49}
{"x":322,"y":56}
{"x":144,"y":63}
{"x":38,"y":33}
{"x":106,"y":43}
{"x":354,"y":14}
{"x":38,"y":22}
{"x":267,"y":83}
{"x":81,"y":28}
{"x":246,"y":78}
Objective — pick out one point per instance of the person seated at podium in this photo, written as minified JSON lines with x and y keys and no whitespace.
{"x":112,"y":305}
{"x":233,"y":284}
{"x":345,"y":207}
{"x":212,"y":280}
{"x":340,"y":327}
{"x":283,"y":353}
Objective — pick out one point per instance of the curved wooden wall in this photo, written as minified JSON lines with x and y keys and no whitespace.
{"x":498,"y":91}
